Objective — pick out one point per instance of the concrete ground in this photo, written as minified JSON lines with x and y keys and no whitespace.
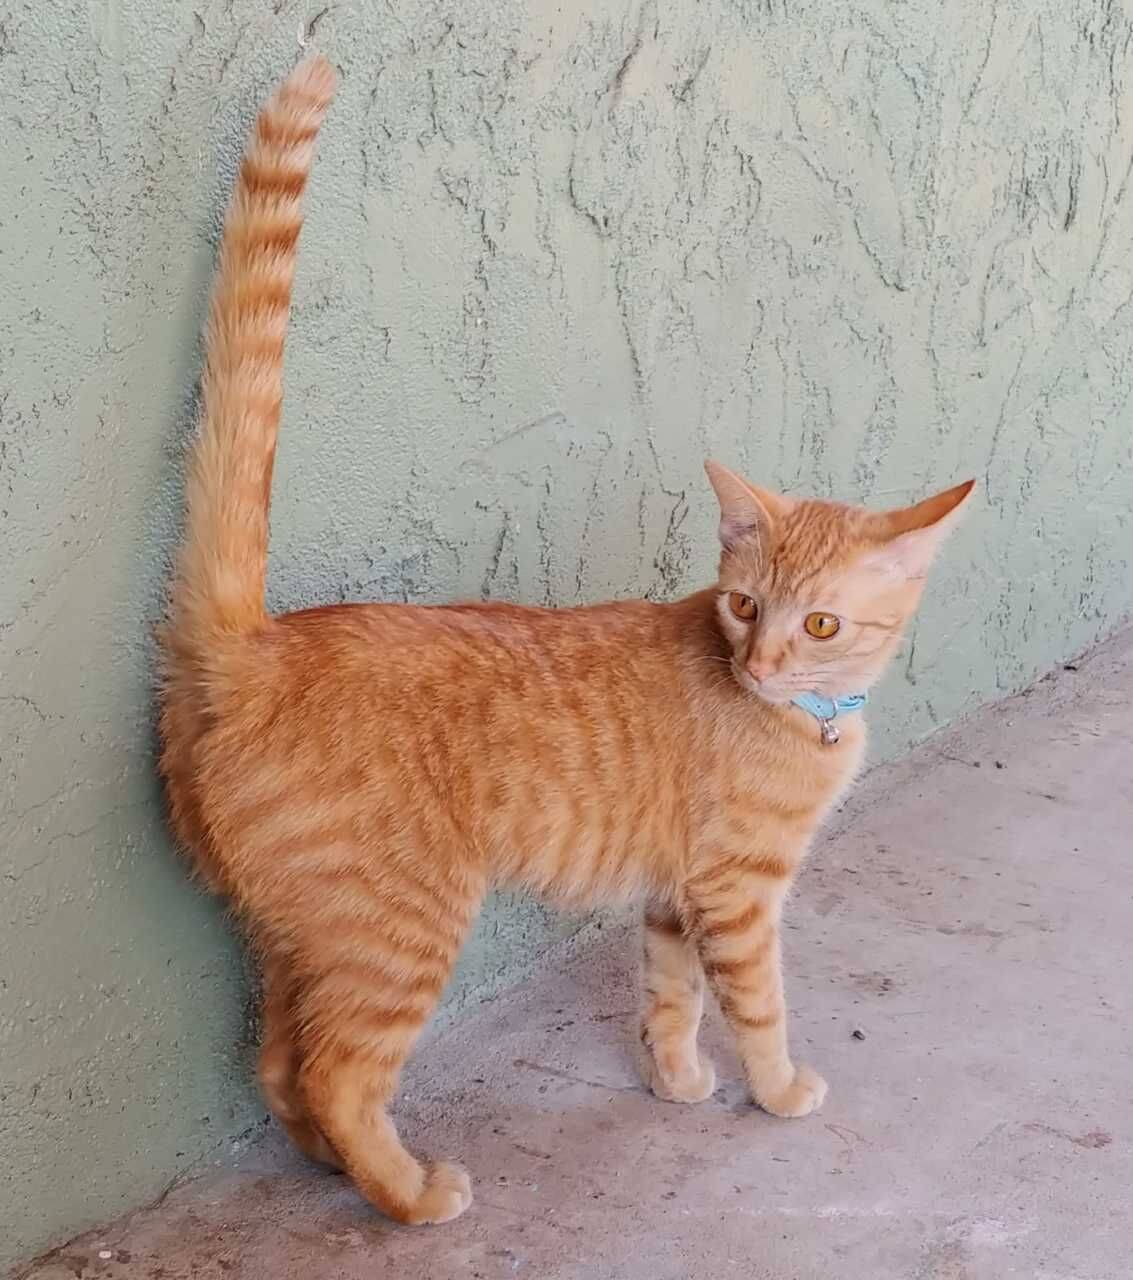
{"x":960,"y":966}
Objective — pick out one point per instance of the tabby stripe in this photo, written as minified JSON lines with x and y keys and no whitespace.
{"x":267,"y":176}
{"x":734,"y":924}
{"x":379,"y":905}
{"x":444,"y":935}
{"x":760,"y":1022}
{"x":666,"y":926}
{"x":262,"y":292}
{"x":365,"y":1025}
{"x":373,"y":888}
{"x":354,"y":982}
{"x":377,"y":952}
{"x":277,"y":131}
{"x":730,"y":872}
{"x":665,"y":1005}
{"x":735,"y":971}
{"x":730,"y":1006}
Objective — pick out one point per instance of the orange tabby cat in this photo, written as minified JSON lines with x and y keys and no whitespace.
{"x":354,"y":778}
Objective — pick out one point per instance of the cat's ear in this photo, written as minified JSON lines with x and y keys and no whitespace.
{"x":911,"y":536}
{"x":744,"y":510}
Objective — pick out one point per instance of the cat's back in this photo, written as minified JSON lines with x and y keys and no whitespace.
{"x":402,"y":651}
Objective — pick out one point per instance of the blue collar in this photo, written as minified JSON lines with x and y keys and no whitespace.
{"x":827,"y":710}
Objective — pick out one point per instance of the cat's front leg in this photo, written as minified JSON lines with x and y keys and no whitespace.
{"x":671,"y":1064}
{"x":735,"y":907}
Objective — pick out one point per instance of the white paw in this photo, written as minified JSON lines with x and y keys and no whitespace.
{"x":803,"y":1095}
{"x":680,"y":1080}
{"x":447,"y":1193}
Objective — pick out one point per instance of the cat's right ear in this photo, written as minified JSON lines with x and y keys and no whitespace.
{"x":745,"y":511}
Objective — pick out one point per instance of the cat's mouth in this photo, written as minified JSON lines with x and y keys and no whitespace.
{"x":772,"y":691}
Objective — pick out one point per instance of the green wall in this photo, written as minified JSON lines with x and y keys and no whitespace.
{"x":556,"y":253}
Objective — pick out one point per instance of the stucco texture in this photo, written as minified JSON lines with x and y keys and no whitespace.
{"x":556,"y":253}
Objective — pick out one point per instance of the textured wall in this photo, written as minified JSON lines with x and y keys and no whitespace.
{"x":556,"y":253}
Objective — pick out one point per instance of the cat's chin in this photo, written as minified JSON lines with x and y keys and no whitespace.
{"x":773,"y":697}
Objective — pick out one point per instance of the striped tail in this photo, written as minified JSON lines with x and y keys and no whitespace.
{"x":218,"y":590}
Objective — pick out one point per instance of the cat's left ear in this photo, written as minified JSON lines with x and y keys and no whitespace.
{"x":911,"y":536}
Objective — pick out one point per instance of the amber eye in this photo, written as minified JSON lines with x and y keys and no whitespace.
{"x":742,"y":606}
{"x":821,"y":625}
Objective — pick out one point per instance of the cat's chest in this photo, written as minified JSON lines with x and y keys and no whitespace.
{"x":796,"y":772}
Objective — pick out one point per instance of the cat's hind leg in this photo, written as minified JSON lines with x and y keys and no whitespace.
{"x":671,"y":1064}
{"x":279,"y":1061}
{"x":374,"y":978}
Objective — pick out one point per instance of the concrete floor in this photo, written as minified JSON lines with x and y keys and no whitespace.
{"x":971,"y":915}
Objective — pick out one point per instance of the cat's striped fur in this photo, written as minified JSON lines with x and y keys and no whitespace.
{"x":354,"y":778}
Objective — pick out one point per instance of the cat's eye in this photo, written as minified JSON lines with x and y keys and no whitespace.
{"x":744,"y":607}
{"x":821,"y":625}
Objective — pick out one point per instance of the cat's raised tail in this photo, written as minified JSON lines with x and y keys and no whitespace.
{"x":218,"y":590}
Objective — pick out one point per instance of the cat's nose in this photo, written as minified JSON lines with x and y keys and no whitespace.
{"x":762,"y":668}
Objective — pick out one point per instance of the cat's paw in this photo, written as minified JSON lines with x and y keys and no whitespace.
{"x":803,"y":1095}
{"x":677,"y":1079}
{"x":446,"y":1195}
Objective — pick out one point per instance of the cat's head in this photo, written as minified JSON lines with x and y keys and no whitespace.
{"x":813,"y":596}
